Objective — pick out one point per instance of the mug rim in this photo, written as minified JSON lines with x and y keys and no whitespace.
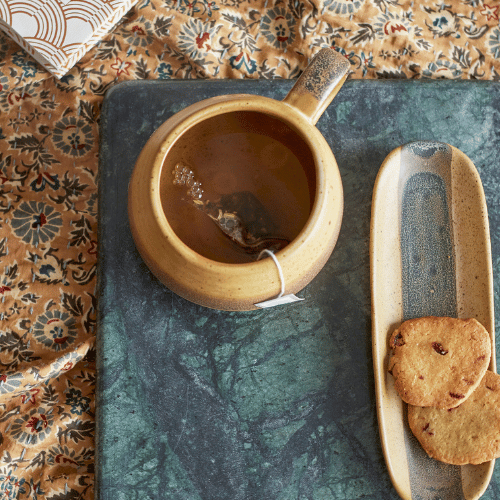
{"x":251,"y":103}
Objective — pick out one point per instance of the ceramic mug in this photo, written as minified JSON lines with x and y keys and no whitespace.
{"x":230,"y":286}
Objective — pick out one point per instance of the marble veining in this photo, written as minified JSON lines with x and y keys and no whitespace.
{"x":274,"y":404}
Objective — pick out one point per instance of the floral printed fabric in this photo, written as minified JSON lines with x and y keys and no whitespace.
{"x":48,"y":170}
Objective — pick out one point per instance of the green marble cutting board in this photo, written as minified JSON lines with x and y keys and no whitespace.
{"x":276,"y":404}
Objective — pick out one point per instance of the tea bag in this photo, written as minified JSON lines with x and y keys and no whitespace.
{"x":240,"y":216}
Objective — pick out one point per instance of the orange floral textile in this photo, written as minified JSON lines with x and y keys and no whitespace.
{"x":49,"y":140}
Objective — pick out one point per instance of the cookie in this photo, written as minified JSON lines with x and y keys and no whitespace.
{"x":467,"y":434}
{"x":439,"y":361}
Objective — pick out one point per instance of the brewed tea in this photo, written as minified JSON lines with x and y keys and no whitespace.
{"x":240,"y":216}
{"x":248,"y":156}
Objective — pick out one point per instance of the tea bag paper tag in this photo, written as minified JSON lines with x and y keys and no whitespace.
{"x":280,"y":299}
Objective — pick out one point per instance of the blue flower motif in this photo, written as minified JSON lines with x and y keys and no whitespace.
{"x":443,"y":24}
{"x":79,"y":404}
{"x":210,"y":6}
{"x":494,"y":43}
{"x":442,"y":69}
{"x":54,"y":329}
{"x":278,"y":26}
{"x":366,"y":61}
{"x":141,"y":34}
{"x":439,"y":22}
{"x":73,"y":136}
{"x":195,"y":38}
{"x":10,"y":382}
{"x":36,"y":222}
{"x":32,"y":428}
{"x":164,"y":71}
{"x":10,"y":485}
{"x":343,"y":7}
{"x":28,"y":66}
{"x":188,"y":7}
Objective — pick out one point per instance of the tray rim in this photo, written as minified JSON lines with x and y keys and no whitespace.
{"x":379,"y":338}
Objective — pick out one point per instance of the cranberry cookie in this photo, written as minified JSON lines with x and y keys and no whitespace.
{"x":439,"y":361}
{"x":468,"y":434}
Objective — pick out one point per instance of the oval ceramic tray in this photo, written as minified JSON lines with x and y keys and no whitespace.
{"x":429,"y":255}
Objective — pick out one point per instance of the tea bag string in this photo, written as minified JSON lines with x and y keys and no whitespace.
{"x":278,"y":265}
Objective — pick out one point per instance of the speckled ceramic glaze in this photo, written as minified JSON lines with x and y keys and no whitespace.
{"x":239,"y":286}
{"x":430,"y":256}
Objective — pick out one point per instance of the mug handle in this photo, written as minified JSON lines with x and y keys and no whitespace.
{"x":318,"y":84}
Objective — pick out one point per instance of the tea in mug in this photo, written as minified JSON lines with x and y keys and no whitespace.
{"x":238,"y":167}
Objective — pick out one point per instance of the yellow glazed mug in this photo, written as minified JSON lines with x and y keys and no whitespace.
{"x":234,"y":286}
